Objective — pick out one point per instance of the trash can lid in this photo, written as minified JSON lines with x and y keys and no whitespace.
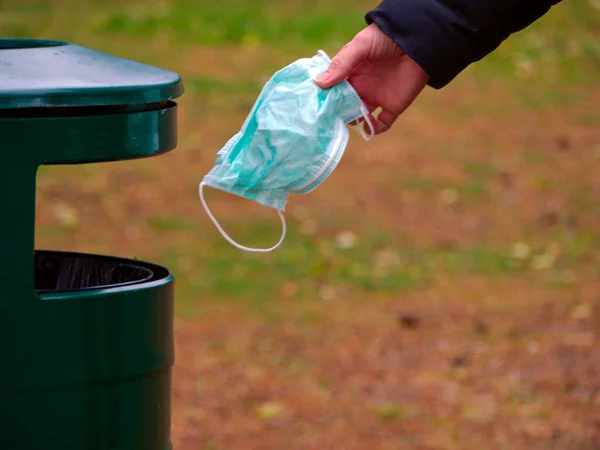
{"x":39,"y":73}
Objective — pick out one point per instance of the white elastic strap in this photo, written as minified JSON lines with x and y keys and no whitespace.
{"x":366,"y":137}
{"x":231,"y":241}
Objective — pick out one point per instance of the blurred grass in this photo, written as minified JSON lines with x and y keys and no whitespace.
{"x":312,"y":266}
{"x":188,"y":21}
{"x":563,"y":48}
{"x":309,"y":267}
{"x":559,"y":54}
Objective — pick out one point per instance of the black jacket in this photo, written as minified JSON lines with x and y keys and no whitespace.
{"x":445,"y":36}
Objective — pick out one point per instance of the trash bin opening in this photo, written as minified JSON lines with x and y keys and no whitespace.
{"x":20,"y":44}
{"x":66,"y":272}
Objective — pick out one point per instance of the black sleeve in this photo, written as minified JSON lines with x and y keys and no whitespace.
{"x":445,"y":36}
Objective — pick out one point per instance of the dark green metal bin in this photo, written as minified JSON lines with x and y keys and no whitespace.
{"x":85,"y":364}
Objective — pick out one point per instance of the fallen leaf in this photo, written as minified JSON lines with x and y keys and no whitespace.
{"x":300,"y":212}
{"x":308,"y":226}
{"x":388,"y":411}
{"x":386,"y":259}
{"x":269,"y":410}
{"x":66,"y":215}
{"x":289,"y":289}
{"x":449,"y":196}
{"x":533,"y":348}
{"x":543,"y":261}
{"x":521,"y":251}
{"x":346,"y":240}
{"x":582,"y":311}
{"x":327,"y":293}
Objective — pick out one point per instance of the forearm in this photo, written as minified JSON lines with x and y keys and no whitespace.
{"x":445,"y":36}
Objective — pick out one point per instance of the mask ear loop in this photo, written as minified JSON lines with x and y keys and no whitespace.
{"x":371,"y":135}
{"x":229,"y":239}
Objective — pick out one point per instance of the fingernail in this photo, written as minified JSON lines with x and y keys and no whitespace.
{"x":324,"y":77}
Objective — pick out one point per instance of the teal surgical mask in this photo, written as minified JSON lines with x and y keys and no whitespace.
{"x":291,"y":141}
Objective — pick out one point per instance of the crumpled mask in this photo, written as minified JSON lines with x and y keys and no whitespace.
{"x":291,"y":141}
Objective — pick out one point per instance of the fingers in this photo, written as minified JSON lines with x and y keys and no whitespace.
{"x":384,"y":121}
{"x":342,"y":65}
{"x":381,"y":123}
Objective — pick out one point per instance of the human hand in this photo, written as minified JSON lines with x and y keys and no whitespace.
{"x":380,"y":72}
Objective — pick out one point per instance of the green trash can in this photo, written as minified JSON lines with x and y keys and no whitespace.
{"x":86,"y":341}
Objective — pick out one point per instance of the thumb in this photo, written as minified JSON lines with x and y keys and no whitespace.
{"x":342,"y":65}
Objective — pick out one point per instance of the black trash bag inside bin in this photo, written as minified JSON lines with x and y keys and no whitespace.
{"x":64,"y":271}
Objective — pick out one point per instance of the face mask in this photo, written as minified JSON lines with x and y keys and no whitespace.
{"x":291,"y":141}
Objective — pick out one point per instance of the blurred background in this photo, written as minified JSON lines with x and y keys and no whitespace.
{"x":441,"y":290}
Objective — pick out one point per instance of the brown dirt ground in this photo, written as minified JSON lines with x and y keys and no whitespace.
{"x":455,"y":367}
